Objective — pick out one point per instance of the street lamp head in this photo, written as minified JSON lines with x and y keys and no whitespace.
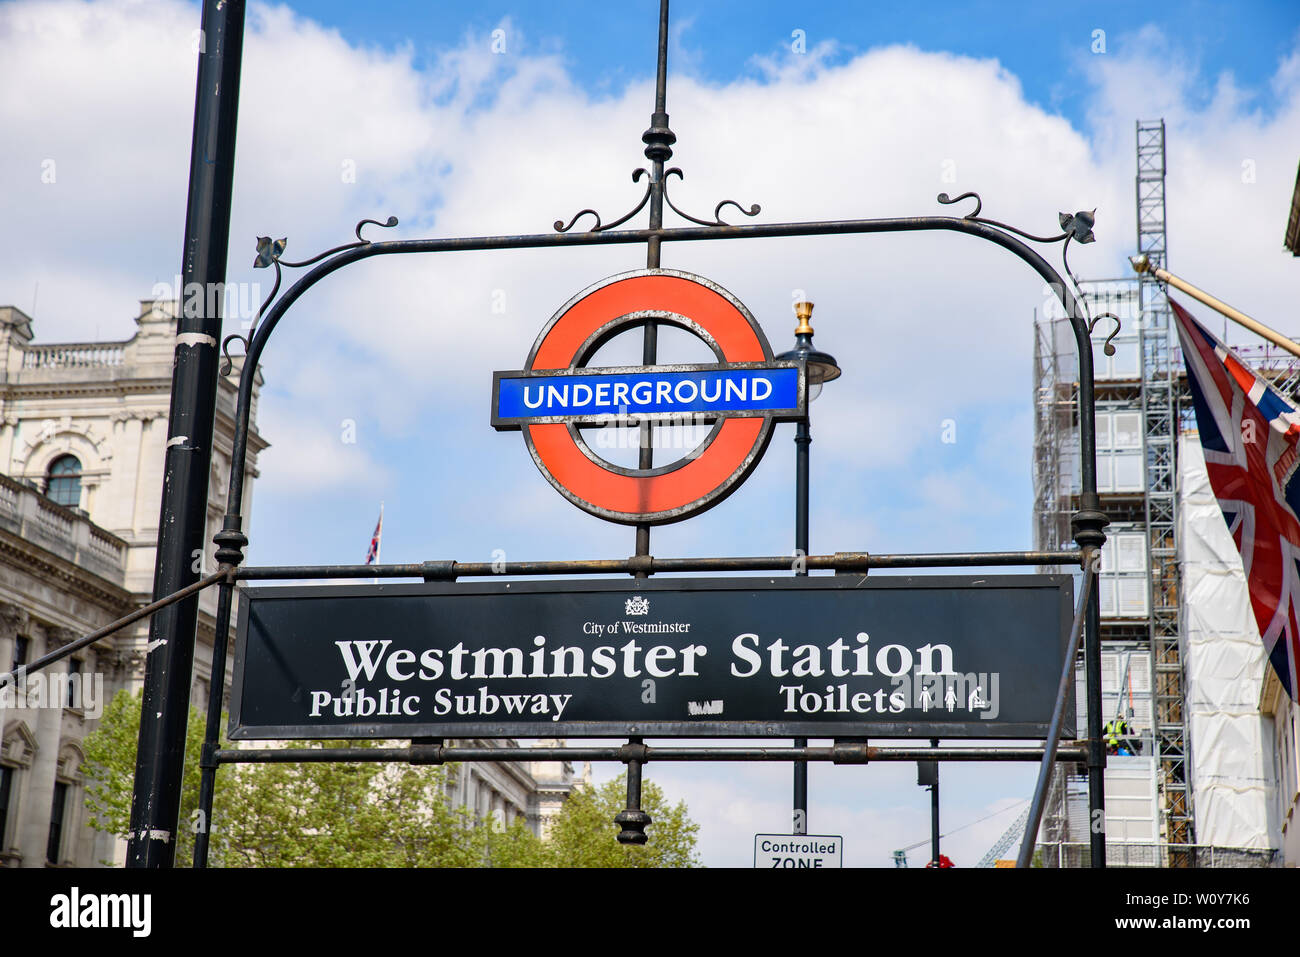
{"x":821,"y":367}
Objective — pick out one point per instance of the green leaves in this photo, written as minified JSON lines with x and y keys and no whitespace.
{"x":367,"y":815}
{"x":289,"y":815}
{"x":109,"y":771}
{"x":583,"y":833}
{"x":341,"y":815}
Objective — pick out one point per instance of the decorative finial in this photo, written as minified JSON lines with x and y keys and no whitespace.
{"x":1079,"y":225}
{"x":1140,"y":263}
{"x":803,"y":312}
{"x":659,"y":139}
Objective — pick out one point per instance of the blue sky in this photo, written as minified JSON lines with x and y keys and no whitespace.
{"x":361,"y":111}
{"x":604,"y":45}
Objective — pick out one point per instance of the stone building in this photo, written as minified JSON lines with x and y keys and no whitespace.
{"x":82,"y":438}
{"x":82,"y":435}
{"x":1274,"y":700}
{"x":534,"y":791}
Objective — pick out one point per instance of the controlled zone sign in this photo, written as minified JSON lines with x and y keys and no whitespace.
{"x":823,"y":656}
{"x":813,"y":851}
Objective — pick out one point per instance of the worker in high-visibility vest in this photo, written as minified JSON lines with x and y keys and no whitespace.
{"x":1117,"y":731}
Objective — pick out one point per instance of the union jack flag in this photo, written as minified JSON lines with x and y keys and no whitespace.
{"x":1250,"y":433}
{"x":372,"y":556}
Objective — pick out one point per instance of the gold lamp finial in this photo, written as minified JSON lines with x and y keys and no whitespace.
{"x":803,"y":312}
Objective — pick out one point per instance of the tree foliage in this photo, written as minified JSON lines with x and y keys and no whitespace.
{"x":289,"y":815}
{"x":583,"y":833}
{"x":367,"y":815}
{"x":342,"y":815}
{"x":109,"y":770}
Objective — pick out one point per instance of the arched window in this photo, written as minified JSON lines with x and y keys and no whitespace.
{"x":63,"y":481}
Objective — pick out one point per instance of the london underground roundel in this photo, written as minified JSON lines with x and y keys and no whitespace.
{"x":741,"y":395}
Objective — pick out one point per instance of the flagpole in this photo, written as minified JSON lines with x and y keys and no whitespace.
{"x":379,"y":540}
{"x":1142,"y":264}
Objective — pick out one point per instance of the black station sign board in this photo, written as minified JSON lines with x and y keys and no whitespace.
{"x":843,"y":655}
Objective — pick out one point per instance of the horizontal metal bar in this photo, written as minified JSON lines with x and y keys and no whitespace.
{"x":958,"y":559}
{"x":840,"y":561}
{"x":75,"y":646}
{"x":438,"y":754}
{"x":682,"y":234}
{"x":451,"y":570}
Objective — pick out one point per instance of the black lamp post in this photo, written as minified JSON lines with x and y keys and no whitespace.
{"x":821,"y":368}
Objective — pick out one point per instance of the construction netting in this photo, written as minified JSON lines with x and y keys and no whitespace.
{"x":1223,"y":660}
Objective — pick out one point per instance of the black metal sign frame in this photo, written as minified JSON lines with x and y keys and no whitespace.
{"x":1011,"y":629}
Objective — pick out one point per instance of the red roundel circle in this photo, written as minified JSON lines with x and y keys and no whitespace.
{"x":690,"y":485}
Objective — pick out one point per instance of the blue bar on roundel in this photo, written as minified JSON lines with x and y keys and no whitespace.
{"x":633,"y":393}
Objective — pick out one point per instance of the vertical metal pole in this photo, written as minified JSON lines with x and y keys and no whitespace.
{"x":1048,"y":765}
{"x":211,"y":735}
{"x":1088,"y":526}
{"x":633,"y":821}
{"x":934,"y":811}
{"x":160,"y":758}
{"x":658,"y":141}
{"x":1096,"y":746}
{"x":802,"y":439}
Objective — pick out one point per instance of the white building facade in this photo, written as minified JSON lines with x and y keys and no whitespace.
{"x":1284,"y":754}
{"x":82,"y":438}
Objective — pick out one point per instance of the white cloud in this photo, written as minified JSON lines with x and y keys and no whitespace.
{"x":306,"y":456}
{"x":1232,"y":168}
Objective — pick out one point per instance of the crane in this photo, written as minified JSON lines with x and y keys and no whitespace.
{"x":900,"y":856}
{"x":1012,"y":835}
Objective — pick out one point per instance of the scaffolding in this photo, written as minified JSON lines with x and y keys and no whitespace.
{"x":1122,"y":595}
{"x":1142,"y":405}
{"x":1056,"y":405}
{"x":1157,"y":855}
{"x":1138,"y":420}
{"x":1159,"y":434}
